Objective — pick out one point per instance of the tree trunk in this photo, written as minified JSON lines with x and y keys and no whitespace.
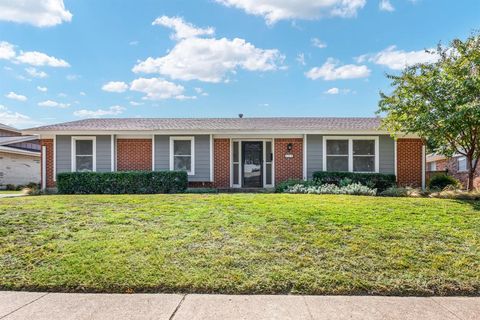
{"x":471,"y":172}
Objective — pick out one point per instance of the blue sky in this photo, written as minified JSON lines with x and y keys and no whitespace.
{"x":72,"y":59}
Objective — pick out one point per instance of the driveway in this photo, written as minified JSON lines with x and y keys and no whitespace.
{"x":73,"y":306}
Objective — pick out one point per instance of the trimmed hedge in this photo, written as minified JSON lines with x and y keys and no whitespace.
{"x":129,"y":182}
{"x":379,"y":181}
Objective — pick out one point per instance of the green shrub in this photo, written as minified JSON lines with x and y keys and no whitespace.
{"x":394,"y":192}
{"x":131,"y":182}
{"x":379,"y":181}
{"x":284,"y":185}
{"x":441,"y":181}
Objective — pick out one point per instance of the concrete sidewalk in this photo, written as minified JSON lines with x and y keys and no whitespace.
{"x":66,"y":306}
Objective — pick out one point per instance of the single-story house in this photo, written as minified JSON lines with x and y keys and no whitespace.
{"x":455,"y":166}
{"x":19,"y":157}
{"x":230,"y":152}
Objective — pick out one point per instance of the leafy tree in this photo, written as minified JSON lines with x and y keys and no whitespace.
{"x":440,"y":101}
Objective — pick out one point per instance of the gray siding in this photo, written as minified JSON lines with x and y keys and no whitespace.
{"x":104,"y":153}
{"x":202,"y":156}
{"x":315,"y":156}
{"x":387,"y":154}
{"x":64,"y":153}
{"x":162,"y":153}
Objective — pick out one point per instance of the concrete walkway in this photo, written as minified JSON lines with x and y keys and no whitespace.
{"x":69,"y":306}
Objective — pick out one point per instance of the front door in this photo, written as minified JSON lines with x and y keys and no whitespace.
{"x":252,"y":154}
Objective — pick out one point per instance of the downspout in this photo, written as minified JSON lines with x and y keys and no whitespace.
{"x":423,"y":167}
{"x":44,"y":168}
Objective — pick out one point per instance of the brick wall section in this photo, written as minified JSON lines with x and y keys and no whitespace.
{"x":221,"y":160}
{"x":452,"y":169}
{"x":409,"y":162}
{"x":48,"y":143}
{"x":134,"y":154}
{"x":288,"y":168}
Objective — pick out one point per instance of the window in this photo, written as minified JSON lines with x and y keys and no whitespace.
{"x":353,"y":154}
{"x":83,"y":154}
{"x":268,"y":163}
{"x":182,"y":154}
{"x":363,"y":155}
{"x":337,"y":155}
{"x":433,"y":166}
{"x":462,"y":164}
{"x":236,"y":163}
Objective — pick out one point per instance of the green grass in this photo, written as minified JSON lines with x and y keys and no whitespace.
{"x":9,"y":192}
{"x":240,"y":243}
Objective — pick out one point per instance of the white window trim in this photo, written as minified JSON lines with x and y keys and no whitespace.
{"x":350,"y":140}
{"x":192,"y":151}
{"x":466,"y":166}
{"x":74,"y":151}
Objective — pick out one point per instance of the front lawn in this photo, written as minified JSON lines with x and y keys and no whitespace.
{"x":240,"y":243}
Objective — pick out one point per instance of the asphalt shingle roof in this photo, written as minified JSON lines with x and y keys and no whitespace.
{"x":215,"y":124}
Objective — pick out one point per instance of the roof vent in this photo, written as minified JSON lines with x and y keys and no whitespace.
{"x":240,"y":115}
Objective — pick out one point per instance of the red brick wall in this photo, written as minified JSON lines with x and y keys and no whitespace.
{"x":221,"y":158}
{"x":48,"y":143}
{"x":288,"y":168}
{"x":451,"y":165}
{"x":409,"y":162}
{"x":134,"y":154}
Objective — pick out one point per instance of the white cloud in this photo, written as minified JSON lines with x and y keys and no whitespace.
{"x":42,"y":89}
{"x":136,"y":104}
{"x":112,"y":111}
{"x":73,"y":77}
{"x":53,"y":104}
{"x":398,"y":59}
{"x":36,"y":58}
{"x":331,"y":70}
{"x":181,"y":28}
{"x":301,"y":59}
{"x":15,"y":119}
{"x":33,"y":72}
{"x":318,"y":43}
{"x":210,"y":60}
{"x":386,"y":5}
{"x":133,"y":43}
{"x":273,"y":10}
{"x":201,"y":92}
{"x":82,"y":93}
{"x":38,"y":13}
{"x":333,"y":91}
{"x":7,"y":50}
{"x":184,"y":97}
{"x":115,"y":86}
{"x":157,"y":89}
{"x":14,"y":96}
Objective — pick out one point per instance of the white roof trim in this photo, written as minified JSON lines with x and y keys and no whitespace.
{"x":19,"y":151}
{"x":218,"y":132}
{"x":18,"y":139}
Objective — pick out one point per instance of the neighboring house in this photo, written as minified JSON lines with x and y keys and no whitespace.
{"x":230,"y":152}
{"x":455,"y":166}
{"x":19,"y":157}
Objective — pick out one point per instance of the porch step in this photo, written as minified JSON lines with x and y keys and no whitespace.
{"x":246,"y":190}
